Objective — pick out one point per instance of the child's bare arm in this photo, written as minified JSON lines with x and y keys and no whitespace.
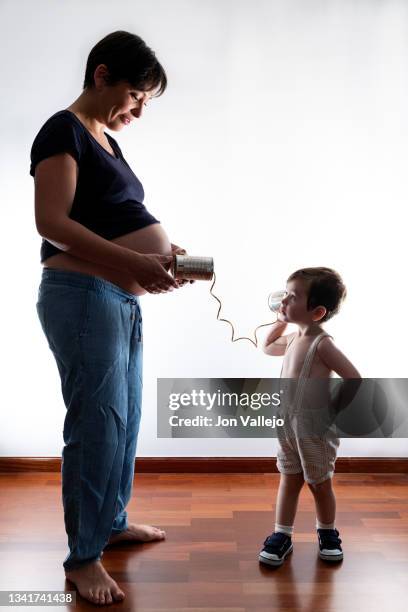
{"x":275,"y":344}
{"x":335,"y":360}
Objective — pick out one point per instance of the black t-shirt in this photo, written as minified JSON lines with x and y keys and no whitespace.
{"x":109,"y":196}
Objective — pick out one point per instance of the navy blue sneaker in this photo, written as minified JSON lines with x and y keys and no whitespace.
{"x":276,"y":548}
{"x":329,"y":545}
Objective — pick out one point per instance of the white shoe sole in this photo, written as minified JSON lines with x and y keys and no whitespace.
{"x":331,"y":557}
{"x":274,"y":562}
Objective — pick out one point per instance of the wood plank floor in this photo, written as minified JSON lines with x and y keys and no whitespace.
{"x":215,"y":526}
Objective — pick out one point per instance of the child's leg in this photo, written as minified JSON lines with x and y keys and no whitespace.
{"x":290,"y":486}
{"x":325,"y":501}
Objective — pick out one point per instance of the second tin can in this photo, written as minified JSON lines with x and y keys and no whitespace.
{"x":275,"y":300}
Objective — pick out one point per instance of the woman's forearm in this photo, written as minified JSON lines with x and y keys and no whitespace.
{"x":75,"y":239}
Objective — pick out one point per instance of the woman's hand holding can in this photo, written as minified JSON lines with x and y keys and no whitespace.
{"x":150,"y":272}
{"x":176,"y":250}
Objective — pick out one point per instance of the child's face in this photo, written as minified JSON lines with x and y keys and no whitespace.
{"x":294,"y":305}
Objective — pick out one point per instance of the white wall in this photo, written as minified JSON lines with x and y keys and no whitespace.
{"x":281,"y":142}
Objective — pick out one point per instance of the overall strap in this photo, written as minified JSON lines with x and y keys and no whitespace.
{"x":306,"y":369}
{"x":307,"y":364}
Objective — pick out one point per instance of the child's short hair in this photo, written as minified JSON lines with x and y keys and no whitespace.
{"x":325,"y":288}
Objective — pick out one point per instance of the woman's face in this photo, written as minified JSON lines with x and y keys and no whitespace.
{"x":123,"y":103}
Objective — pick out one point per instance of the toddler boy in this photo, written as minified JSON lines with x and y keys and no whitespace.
{"x":313,"y":296}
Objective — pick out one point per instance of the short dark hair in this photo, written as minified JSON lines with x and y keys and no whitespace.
{"x":325,"y":288}
{"x":129,"y":59}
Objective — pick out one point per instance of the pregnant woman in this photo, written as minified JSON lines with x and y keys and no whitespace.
{"x":101,"y":249}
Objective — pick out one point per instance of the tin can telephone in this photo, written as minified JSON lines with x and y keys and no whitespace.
{"x":191,"y":267}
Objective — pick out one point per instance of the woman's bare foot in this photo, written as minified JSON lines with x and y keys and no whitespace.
{"x":94,"y":583}
{"x":138,"y":533}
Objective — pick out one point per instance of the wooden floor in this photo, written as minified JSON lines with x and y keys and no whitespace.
{"x":215,"y":527}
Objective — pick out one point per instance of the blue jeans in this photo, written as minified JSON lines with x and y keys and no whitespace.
{"x":94,"y":330}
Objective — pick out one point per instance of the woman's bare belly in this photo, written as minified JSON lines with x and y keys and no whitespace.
{"x":150,"y":239}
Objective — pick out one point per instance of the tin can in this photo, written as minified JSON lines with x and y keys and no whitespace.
{"x":275,"y":300}
{"x":192,"y":268}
